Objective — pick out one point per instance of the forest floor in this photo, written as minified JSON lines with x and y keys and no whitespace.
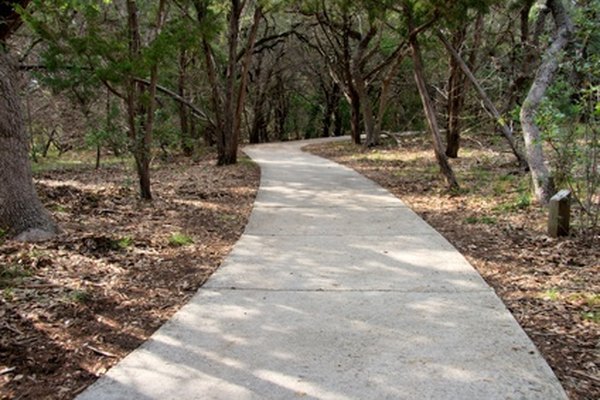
{"x":72,"y":307}
{"x":552,"y":286}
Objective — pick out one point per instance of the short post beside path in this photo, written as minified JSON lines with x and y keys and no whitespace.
{"x":560,"y":214}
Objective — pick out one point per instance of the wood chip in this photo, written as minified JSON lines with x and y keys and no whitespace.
{"x":7,"y":370}
{"x":101,"y":352}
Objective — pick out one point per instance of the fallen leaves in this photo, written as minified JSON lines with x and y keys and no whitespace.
{"x":74,"y":306}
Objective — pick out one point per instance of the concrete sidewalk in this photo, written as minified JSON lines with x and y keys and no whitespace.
{"x":336,"y":291}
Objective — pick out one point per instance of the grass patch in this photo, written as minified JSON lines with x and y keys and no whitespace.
{"x":79,"y":296}
{"x":180,"y":239}
{"x":551,"y":294}
{"x":13,"y":275}
{"x":59,"y":208}
{"x":125,"y":242}
{"x":226,"y":217}
{"x":592,"y":316}
{"x":246,"y":161}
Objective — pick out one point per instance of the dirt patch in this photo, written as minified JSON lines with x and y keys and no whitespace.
{"x":72,"y":307}
{"x":552,"y":286}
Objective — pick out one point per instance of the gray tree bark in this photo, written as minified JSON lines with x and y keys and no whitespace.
{"x":22,"y":215}
{"x":430,"y":114}
{"x":542,"y":177}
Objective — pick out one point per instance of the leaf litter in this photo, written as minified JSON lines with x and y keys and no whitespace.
{"x":72,"y":307}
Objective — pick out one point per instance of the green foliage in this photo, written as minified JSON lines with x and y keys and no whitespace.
{"x":12,"y":275}
{"x":551,"y":294}
{"x":165,"y":129}
{"x":521,"y":201}
{"x":108,"y":133}
{"x":592,"y":316}
{"x":180,"y":239}
{"x":125,"y":242}
{"x":79,"y":296}
{"x":569,"y":116}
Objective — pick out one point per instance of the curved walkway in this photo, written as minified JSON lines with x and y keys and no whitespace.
{"x":336,"y":290}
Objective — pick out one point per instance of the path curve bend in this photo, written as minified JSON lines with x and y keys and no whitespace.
{"x":336,"y":290}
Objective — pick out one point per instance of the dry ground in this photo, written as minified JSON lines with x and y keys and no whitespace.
{"x":72,"y":307}
{"x":551,"y":286}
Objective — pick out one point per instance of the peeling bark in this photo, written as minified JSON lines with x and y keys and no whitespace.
{"x":542,"y":177}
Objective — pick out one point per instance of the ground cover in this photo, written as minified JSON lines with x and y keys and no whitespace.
{"x":72,"y":307}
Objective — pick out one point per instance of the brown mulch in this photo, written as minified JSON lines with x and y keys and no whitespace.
{"x":72,"y":307}
{"x":552,"y":286}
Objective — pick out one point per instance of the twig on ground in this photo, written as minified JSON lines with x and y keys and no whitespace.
{"x":101,"y":352}
{"x":7,"y":370}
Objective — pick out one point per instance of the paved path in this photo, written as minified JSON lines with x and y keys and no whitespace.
{"x":336,"y":291}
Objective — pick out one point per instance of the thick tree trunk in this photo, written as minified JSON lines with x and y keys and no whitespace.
{"x":22,"y":215}
{"x":430,"y":114}
{"x":542,"y":178}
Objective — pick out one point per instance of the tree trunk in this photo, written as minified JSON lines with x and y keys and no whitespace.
{"x":458,"y":86}
{"x":187,"y":145}
{"x":386,"y":85}
{"x":430,"y":114}
{"x":327,"y":118}
{"x":358,"y":78}
{"x":235,"y":94}
{"x":456,"y":97}
{"x":141,"y":103}
{"x":372,"y":135}
{"x":22,"y":215}
{"x":136,"y":109}
{"x":332,"y":98}
{"x":338,"y":123}
{"x":258,"y":131}
{"x":355,"y":117}
{"x":245,"y":71}
{"x":490,"y":107}
{"x":542,"y":178}
{"x":226,"y":135}
{"x":281,"y":109}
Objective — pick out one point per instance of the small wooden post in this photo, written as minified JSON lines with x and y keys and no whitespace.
{"x":560,"y":214}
